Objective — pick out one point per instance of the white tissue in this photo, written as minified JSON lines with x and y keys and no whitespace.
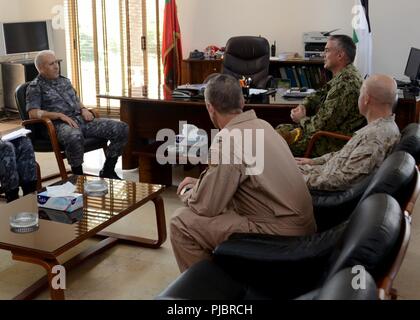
{"x":190,"y":131}
{"x":64,"y":190}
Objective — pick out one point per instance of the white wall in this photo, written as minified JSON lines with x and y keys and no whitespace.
{"x":214,"y":22}
{"x":395,"y":25}
{"x":396,"y":28}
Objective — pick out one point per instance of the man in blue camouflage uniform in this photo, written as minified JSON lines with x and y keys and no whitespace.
{"x":333,"y":107}
{"x":17,"y":167}
{"x":53,"y":96}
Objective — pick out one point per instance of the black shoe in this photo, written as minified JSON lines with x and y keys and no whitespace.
{"x":77,"y":170}
{"x":29,"y":187}
{"x":109,"y":175}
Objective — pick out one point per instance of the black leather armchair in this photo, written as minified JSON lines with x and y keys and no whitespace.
{"x":44,"y":137}
{"x":255,"y":266}
{"x":328,"y":203}
{"x":396,"y":176}
{"x":410,"y":141}
{"x":250,"y":57}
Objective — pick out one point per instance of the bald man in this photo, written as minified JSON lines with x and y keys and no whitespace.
{"x":52,"y":96}
{"x":369,"y":146}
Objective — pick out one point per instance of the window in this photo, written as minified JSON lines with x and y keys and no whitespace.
{"x":113,"y":47}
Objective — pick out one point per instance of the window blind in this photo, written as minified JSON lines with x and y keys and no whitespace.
{"x":113,"y":46}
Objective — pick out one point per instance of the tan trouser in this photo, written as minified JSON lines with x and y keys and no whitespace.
{"x":194,"y":237}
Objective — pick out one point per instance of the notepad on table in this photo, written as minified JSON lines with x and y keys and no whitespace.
{"x":15,"y":134}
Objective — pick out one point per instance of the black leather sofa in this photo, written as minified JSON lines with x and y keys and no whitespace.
{"x":255,"y":266}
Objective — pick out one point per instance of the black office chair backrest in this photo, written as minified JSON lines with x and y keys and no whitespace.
{"x":371,"y":236}
{"x":39,"y":133}
{"x":410,"y":141}
{"x":248,"y":56}
{"x":396,"y":177}
{"x":20,"y":97}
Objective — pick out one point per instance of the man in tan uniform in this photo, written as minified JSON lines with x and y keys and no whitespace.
{"x":237,"y":193}
{"x":369,"y":146}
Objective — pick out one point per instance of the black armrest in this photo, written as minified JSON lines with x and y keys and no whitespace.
{"x":268,"y":261}
{"x":334,"y":207}
{"x":266,"y":248}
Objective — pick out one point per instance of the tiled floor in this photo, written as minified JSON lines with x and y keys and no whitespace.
{"x":128,"y":272}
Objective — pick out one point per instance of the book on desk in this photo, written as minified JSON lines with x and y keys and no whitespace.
{"x":188,"y":91}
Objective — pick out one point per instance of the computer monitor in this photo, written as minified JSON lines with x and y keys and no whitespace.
{"x":412,"y":70}
{"x":24,"y":37}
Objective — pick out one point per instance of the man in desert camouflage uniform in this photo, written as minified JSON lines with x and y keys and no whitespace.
{"x":51,"y":95}
{"x":17,"y":167}
{"x":332,"y":108}
{"x":367,"y":149}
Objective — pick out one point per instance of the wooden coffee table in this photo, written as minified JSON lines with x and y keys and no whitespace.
{"x":52,"y":239}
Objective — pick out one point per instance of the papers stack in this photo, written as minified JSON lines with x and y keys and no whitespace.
{"x":298,"y":94}
{"x":15,"y":134}
{"x":189,"y":91}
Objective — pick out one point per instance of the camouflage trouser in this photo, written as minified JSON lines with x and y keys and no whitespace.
{"x":322,"y":146}
{"x":17,"y":163}
{"x":73,"y":138}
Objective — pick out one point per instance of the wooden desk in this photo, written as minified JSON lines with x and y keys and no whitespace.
{"x":146,"y":116}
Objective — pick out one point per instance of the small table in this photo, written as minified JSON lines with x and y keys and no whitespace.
{"x":44,"y":246}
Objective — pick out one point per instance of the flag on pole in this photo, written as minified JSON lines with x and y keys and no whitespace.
{"x":362,"y":37}
{"x":171,"y":47}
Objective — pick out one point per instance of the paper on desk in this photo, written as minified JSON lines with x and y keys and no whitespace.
{"x":254,"y":91}
{"x":15,"y":134}
{"x":63,"y":190}
{"x":196,"y":86}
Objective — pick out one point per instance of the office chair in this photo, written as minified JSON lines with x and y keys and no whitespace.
{"x":397,"y":176}
{"x":250,"y":57}
{"x":44,"y":137}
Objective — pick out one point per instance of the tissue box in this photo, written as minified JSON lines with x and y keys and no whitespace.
{"x":68,"y":203}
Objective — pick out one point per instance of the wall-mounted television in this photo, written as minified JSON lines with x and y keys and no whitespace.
{"x":24,"y":37}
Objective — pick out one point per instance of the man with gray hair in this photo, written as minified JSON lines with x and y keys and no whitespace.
{"x":52,"y":96}
{"x":331,"y":108}
{"x":367,"y":149}
{"x":238,"y":193}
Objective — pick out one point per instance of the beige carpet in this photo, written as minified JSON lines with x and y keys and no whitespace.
{"x":128,"y":272}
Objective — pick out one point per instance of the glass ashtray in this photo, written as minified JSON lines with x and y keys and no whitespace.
{"x":96,"y":188}
{"x":24,"y":222}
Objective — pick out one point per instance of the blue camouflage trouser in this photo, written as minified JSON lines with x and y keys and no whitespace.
{"x":17,"y":163}
{"x":73,"y":138}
